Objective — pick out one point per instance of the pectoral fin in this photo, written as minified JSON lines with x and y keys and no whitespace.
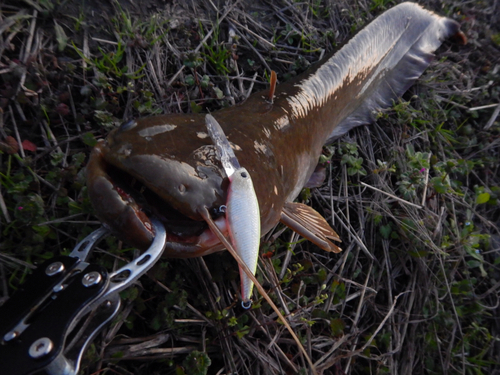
{"x":311,"y":225}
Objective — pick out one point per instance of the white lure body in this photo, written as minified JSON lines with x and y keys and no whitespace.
{"x":242,"y":208}
{"x":243,"y":222}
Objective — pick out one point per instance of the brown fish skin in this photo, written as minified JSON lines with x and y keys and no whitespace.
{"x":279,"y":144}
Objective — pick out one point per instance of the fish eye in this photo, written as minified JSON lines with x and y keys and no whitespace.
{"x":244,"y":174}
{"x":127,"y":125}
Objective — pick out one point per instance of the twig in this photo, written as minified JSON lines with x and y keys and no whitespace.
{"x":4,"y":208}
{"x":27,"y":48}
{"x":16,"y":132}
{"x":17,"y":261}
{"x":105,"y":41}
{"x":355,"y":237}
{"x":73,"y":109}
{"x":389,"y":313}
{"x":426,"y":180}
{"x":250,"y":45}
{"x":203,"y":41}
{"x":249,"y":91}
{"x":392,"y":196}
{"x":493,"y":118}
{"x":254,"y":34}
{"x":483,"y":107}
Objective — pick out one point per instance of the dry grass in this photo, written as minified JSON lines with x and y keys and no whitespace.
{"x":416,"y":289}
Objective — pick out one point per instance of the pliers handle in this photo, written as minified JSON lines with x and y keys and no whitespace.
{"x":50,"y":321}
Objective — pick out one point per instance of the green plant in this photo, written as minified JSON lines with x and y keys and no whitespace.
{"x":351,"y":158}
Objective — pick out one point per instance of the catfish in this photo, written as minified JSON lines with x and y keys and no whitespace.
{"x":167,"y":165}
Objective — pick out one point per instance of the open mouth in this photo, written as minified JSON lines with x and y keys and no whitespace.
{"x":186,"y":237}
{"x":132,"y":190}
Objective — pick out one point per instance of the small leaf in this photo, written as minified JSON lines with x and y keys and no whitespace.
{"x":219,"y":93}
{"x":205,"y":81}
{"x":62,"y":109}
{"x":482,"y":198}
{"x":195,"y":107}
{"x":89,"y":139}
{"x":438,"y":185}
{"x":196,"y":363}
{"x":385,"y":231}
{"x":473,"y":263}
{"x":337,"y":326}
{"x":189,"y":80}
{"x":62,"y":39}
{"x":322,"y":274}
{"x":9,"y":145}
{"x":28,"y":146}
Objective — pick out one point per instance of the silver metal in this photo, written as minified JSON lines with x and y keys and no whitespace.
{"x":85,"y":246}
{"x":41,"y":347}
{"x":91,"y":279}
{"x":60,"y":366}
{"x":59,"y":287}
{"x":125,"y":276}
{"x":54,"y":268}
{"x":103,"y":315}
{"x":10,"y":335}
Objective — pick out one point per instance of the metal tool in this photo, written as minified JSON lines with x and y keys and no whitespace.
{"x":50,"y":321}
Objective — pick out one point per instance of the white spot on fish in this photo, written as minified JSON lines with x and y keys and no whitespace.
{"x":201,"y":135}
{"x":282,"y":122}
{"x":235,"y":146}
{"x":125,"y":150}
{"x":267,"y":132}
{"x":275,"y":190}
{"x":157,"y":129}
{"x":260,"y":147}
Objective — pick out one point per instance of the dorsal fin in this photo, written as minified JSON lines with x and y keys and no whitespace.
{"x":310,"y":224}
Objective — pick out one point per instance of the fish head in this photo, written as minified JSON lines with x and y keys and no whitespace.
{"x":164,"y":166}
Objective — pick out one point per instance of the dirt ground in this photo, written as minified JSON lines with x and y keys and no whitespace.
{"x":414,"y":197}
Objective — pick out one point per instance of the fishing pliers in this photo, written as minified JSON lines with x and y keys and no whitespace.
{"x":46,"y":326}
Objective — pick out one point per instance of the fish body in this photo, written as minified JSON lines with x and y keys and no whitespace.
{"x":174,"y":160}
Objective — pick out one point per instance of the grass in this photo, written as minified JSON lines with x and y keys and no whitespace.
{"x":414,"y":197}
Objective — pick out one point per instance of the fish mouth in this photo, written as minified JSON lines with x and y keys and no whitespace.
{"x":126,"y":204}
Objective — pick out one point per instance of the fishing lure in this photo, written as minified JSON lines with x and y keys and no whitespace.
{"x":242,"y":207}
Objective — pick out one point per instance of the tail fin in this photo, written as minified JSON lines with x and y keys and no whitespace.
{"x":375,"y":67}
{"x":405,"y":38}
